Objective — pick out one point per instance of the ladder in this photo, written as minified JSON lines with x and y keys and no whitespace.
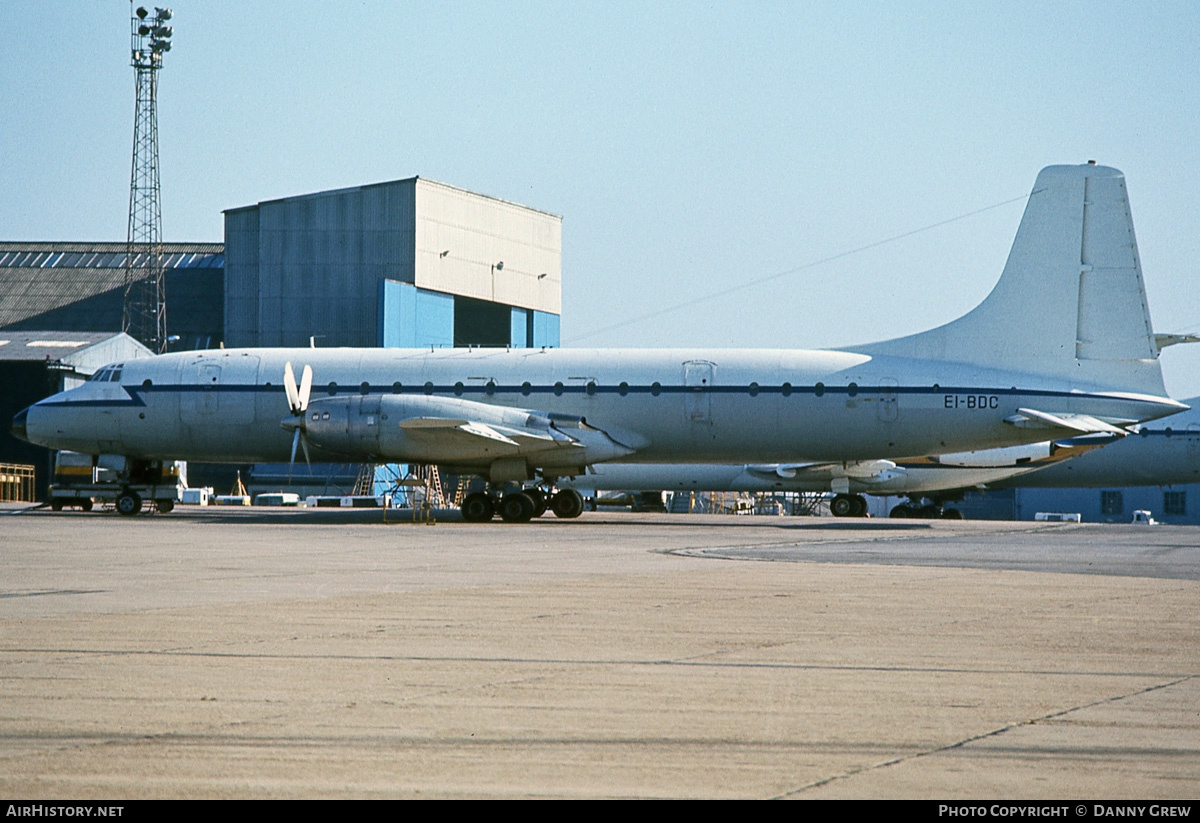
{"x":364,"y":484}
{"x":682,"y":502}
{"x":434,"y":495}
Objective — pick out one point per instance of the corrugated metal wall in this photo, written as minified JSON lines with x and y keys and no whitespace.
{"x":241,"y":277}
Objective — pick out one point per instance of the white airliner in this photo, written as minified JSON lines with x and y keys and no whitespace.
{"x":915,"y":477}
{"x":1062,"y":345}
{"x":1163,"y":453}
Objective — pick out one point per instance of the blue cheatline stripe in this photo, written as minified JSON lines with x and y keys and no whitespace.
{"x":589,"y":389}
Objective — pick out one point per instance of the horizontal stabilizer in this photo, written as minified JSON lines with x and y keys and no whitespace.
{"x":1161,"y":341}
{"x":1034,"y":419}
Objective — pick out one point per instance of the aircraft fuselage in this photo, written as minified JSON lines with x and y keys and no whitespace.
{"x":679,"y":406}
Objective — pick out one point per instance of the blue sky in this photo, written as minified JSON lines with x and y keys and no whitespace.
{"x":691,"y":148}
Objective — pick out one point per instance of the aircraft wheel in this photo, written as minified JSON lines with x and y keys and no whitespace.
{"x":842,"y":506}
{"x":567,"y":504}
{"x":86,"y":504}
{"x":540,"y":503}
{"x":951,"y":514}
{"x":860,"y":506}
{"x":56,"y":505}
{"x":931,"y":512}
{"x":516,"y":508}
{"x":903,"y":510}
{"x":477,"y":508}
{"x":129,"y":503}
{"x":164,"y":506}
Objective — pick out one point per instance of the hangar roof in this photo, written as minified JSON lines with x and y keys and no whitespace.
{"x":81,"y":286}
{"x":67,"y":346}
{"x":403,"y":181}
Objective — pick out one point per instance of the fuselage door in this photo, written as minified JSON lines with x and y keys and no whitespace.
{"x":698,"y":377}
{"x":219,"y":392}
{"x":201,"y":392}
{"x":889,"y":404}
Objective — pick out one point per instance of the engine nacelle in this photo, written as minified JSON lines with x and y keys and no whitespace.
{"x":446,"y":430}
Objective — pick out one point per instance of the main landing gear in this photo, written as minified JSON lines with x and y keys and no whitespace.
{"x":848,"y":505}
{"x":920,"y":510}
{"x":520,"y":506}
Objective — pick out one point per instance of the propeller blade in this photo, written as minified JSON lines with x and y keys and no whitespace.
{"x":292,"y":462}
{"x":293,"y":394}
{"x":304,"y":445}
{"x":306,"y":378}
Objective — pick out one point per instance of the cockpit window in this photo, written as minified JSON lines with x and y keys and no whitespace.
{"x":107,"y":374}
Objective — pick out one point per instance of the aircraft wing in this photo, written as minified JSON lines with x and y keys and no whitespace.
{"x":452,"y":431}
{"x":863,"y":471}
{"x":456,"y":433}
{"x":1035,"y":419}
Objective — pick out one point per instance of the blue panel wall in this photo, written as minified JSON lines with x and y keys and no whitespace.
{"x":545,"y":329}
{"x":434,"y":318}
{"x":521,"y":329}
{"x":412,"y":318}
{"x":1087,"y":503}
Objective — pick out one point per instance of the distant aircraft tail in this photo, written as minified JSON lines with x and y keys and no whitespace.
{"x":1070,"y":303}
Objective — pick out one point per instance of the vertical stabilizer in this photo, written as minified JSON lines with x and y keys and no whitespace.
{"x":1070,"y":303}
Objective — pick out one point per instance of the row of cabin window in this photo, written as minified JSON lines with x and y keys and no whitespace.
{"x":589,"y":389}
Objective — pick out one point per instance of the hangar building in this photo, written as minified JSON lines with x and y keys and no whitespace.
{"x":399,"y":264}
{"x":407,"y":263}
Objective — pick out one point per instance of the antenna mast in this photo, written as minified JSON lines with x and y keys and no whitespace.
{"x":145,"y":310}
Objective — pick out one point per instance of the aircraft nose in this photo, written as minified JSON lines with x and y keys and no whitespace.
{"x":18,"y":424}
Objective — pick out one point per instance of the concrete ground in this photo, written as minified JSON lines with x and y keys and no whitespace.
{"x":241,"y":653}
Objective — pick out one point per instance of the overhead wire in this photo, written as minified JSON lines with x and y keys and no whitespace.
{"x":813,"y":264}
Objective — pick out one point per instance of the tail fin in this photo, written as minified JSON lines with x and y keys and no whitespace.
{"x":1070,"y":303}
